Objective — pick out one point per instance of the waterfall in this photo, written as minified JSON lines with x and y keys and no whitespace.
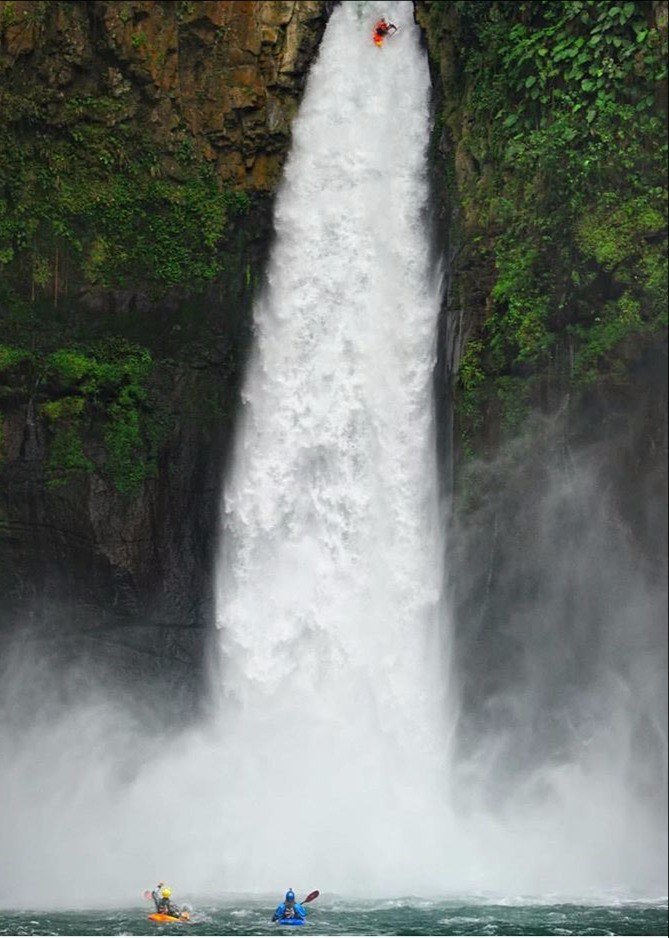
{"x":330,"y":574}
{"x":329,"y":763}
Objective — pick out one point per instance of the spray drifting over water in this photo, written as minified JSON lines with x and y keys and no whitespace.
{"x":328,"y":763}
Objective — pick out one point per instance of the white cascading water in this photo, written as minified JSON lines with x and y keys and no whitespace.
{"x":331,"y":569}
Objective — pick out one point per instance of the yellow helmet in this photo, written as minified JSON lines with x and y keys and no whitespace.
{"x":166,"y":893}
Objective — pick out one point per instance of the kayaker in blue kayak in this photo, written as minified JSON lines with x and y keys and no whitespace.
{"x":289,"y":909}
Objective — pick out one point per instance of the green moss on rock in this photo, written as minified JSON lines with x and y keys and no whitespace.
{"x":103,"y":384}
{"x":553,"y":122}
{"x":97,"y":202}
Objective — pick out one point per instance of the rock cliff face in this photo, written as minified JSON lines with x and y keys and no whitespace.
{"x":121,"y":355}
{"x":555,"y":239}
{"x":229,"y":73}
{"x":548,"y":159}
{"x":140,"y":145}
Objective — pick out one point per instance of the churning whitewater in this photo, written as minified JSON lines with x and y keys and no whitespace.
{"x":330,"y":576}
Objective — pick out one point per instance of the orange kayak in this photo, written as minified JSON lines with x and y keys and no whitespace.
{"x":163,"y":919}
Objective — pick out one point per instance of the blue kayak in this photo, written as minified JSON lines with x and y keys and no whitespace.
{"x":292,"y":921}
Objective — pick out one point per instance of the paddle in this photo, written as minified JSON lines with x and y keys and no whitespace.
{"x":148,"y":894}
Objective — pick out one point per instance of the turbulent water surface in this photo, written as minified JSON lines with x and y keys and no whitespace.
{"x":337,"y":917}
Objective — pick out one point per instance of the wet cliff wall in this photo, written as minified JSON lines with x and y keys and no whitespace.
{"x":140,"y":145}
{"x":549,"y":156}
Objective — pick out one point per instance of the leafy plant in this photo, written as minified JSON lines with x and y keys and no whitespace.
{"x":563,"y":187}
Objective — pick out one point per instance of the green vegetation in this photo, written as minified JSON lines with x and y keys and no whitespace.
{"x":184,"y":9}
{"x":85,"y":193}
{"x":9,"y":15}
{"x":92,"y":203}
{"x":560,"y":137}
{"x":11,"y":357}
{"x":66,"y":457}
{"x":105,"y":385}
{"x":139,"y":40}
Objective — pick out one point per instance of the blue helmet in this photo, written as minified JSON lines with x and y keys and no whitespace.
{"x":290,"y":896}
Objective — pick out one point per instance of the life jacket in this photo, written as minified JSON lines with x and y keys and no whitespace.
{"x":285,"y":911}
{"x":165,"y":907}
{"x":379,"y":35}
{"x":381,"y":30}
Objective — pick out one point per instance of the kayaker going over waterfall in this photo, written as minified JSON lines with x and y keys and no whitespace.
{"x":289,"y":908}
{"x":382,"y":28}
{"x":161,"y":895}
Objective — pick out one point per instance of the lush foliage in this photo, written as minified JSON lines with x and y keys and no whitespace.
{"x":96,"y":199}
{"x":104,"y":385}
{"x":562,"y":122}
{"x":91,"y":203}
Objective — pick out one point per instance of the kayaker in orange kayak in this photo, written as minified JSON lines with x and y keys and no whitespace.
{"x":161,"y":895}
{"x":381,"y":30}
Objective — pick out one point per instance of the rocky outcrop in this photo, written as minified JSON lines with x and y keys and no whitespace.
{"x":227,"y":72}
